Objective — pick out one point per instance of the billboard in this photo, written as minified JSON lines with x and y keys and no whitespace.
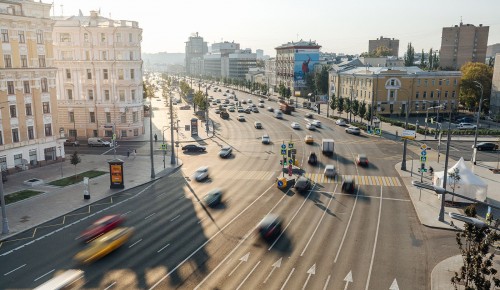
{"x":304,"y":65}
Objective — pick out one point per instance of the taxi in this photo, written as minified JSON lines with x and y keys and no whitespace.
{"x":104,"y":245}
{"x":309,"y":139}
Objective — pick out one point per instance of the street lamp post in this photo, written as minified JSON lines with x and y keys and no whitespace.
{"x":445,"y":175}
{"x":60,"y":153}
{"x":474,"y":151}
{"x":405,"y":142}
{"x":172,"y":157}
{"x":151,"y":138}
{"x":437,"y":115}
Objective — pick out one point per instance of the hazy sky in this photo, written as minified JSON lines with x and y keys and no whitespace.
{"x":338,"y":26}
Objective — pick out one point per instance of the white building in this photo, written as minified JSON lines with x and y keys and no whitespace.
{"x":99,"y":81}
{"x":270,"y":72}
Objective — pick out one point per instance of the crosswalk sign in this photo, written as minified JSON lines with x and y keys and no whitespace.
{"x":378,"y":131}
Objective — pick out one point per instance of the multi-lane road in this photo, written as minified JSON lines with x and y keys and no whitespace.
{"x":331,"y":240}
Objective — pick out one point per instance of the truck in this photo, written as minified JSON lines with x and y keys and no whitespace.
{"x":286,"y":108}
{"x":327,"y":146}
{"x":223,"y":113}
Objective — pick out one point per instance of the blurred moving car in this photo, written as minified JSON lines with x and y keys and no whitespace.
{"x":101,"y":226}
{"x":261,"y":105}
{"x":266,"y":139}
{"x":330,"y":170}
{"x":341,"y":122}
{"x":270,"y":109}
{"x":362,"y":160}
{"x":295,"y":125}
{"x":313,"y":159}
{"x":308,"y":115}
{"x":486,"y":146}
{"x":193,"y":147}
{"x":257,"y":125}
{"x":270,"y":226}
{"x":310,"y":126}
{"x":225,"y":152}
{"x":201,"y":173}
{"x":316,"y":123}
{"x":104,"y":245}
{"x":353,"y":130}
{"x":348,"y":185}
{"x":213,"y":198}
{"x":302,"y":184}
{"x":466,"y":126}
{"x":255,"y":110}
{"x":309,"y":139}
{"x":71,"y":142}
{"x":241,"y":118}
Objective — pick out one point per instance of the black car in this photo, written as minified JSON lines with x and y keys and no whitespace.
{"x":302,"y":184}
{"x":193,"y":147}
{"x":486,"y":146}
{"x":348,"y":185}
{"x":313,"y":159}
{"x":270,"y":226}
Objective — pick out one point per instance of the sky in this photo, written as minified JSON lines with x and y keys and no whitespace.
{"x":338,"y":26}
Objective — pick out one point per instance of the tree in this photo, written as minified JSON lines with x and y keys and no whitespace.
{"x":362,"y":110}
{"x":340,"y":105}
{"x":333,"y":102}
{"x":310,"y":83}
{"x":369,"y":112}
{"x":474,"y":243}
{"x":200,"y":100}
{"x":435,"y":61}
{"x":75,"y":159}
{"x":470,"y":93}
{"x":430,"y":64}
{"x":348,"y":105}
{"x":355,"y":108}
{"x":321,"y":80}
{"x":282,"y":90}
{"x":288,"y":93}
{"x":409,"y":56}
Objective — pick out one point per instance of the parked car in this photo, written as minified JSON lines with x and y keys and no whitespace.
{"x":466,"y":126}
{"x":295,"y":125}
{"x":213,"y":198}
{"x":353,"y":130}
{"x":266,"y":139}
{"x":225,"y":152}
{"x":362,"y":160}
{"x":270,"y":226}
{"x":486,"y":146}
{"x":71,"y":142}
{"x":302,"y":184}
{"x":340,"y":122}
{"x":193,"y":147}
{"x":201,"y":173}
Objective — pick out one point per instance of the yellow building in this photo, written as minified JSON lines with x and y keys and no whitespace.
{"x":390,"y":90}
{"x":28,"y":102}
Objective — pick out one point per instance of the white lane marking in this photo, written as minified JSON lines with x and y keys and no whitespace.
{"x":375,"y":242}
{"x":111,"y":149}
{"x":149,"y":216}
{"x":163,"y":248}
{"x":394,"y":285}
{"x":126,"y":213}
{"x":242,"y":259}
{"x":276,"y":264}
{"x":110,"y":285}
{"x":241,"y":284}
{"x":44,"y":275}
{"x":211,"y":238}
{"x":134,"y":243}
{"x":14,"y":270}
{"x":199,"y":222}
{"x":319,"y":222}
{"x":326,"y":283}
{"x":311,"y":271}
{"x":287,"y":278}
{"x":347,"y":228}
{"x":175,"y":218}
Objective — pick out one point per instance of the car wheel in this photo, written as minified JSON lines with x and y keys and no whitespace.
{"x":478,"y":148}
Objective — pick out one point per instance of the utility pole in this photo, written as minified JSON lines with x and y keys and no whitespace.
{"x":445,"y":175}
{"x":151,"y":138}
{"x":474,"y":150}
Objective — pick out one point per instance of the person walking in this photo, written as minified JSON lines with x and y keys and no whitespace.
{"x":156,"y":137}
{"x":128,"y":153}
{"x":134,"y":153}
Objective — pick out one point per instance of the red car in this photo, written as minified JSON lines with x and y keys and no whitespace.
{"x":362,"y":160}
{"x":101,"y":226}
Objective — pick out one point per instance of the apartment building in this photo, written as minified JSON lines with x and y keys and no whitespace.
{"x":99,"y":80}
{"x":270,"y":73}
{"x":463,"y":43}
{"x":195,"y":49}
{"x":391,"y":43}
{"x":29,"y":130}
{"x":391,"y":90}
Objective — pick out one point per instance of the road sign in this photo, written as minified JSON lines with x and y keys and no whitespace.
{"x":422,"y":170}
{"x":378,"y":131}
{"x":423,"y":153}
{"x":283,"y":146}
{"x":423,"y":159}
{"x":114,"y":136}
{"x":423,"y":147}
{"x":164,"y":147}
{"x":408,"y":134}
{"x":290,"y":145}
{"x":283,"y":152}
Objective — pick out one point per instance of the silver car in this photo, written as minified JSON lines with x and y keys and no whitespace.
{"x":201,"y":173}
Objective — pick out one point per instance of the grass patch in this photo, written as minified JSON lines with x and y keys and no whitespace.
{"x":20,"y":195}
{"x":79,"y":178}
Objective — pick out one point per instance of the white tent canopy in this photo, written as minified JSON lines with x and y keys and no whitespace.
{"x":469,"y":185}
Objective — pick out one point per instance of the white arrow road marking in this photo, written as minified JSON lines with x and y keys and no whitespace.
{"x":348,"y":279}
{"x":394,"y":285}
{"x":311,"y":271}
{"x":253,"y":269}
{"x":276,"y":264}
{"x":242,"y":259}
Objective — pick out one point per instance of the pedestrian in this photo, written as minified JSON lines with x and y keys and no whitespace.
{"x":134,"y":153}
{"x":128,"y":153}
{"x":156,"y":137}
{"x":489,"y":218}
{"x":431,"y":171}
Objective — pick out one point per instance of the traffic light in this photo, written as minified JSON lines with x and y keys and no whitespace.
{"x":281,"y":162}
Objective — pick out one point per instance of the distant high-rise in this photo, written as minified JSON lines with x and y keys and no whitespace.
{"x":391,"y":44}
{"x":195,"y":49}
{"x":463,"y":43}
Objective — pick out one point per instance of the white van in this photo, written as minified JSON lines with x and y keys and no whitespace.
{"x":278,"y":115}
{"x":98,"y":142}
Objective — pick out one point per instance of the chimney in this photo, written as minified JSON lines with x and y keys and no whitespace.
{"x":93,"y":14}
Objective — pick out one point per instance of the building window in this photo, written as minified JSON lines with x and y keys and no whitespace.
{"x":15,"y":135}
{"x":87,"y":55}
{"x":72,"y":133}
{"x":131,"y":55}
{"x":67,"y":55}
{"x":68,"y":73}
{"x":26,"y":86}
{"x":24,"y":60}
{"x":120,"y":74}
{"x":46,"y":107}
{"x":130,"y":37}
{"x":41,"y":61}
{"x":106,"y":95}
{"x":29,"y":112}
{"x":453,"y":94}
{"x":439,"y":83}
{"x":124,"y":133}
{"x":92,"y":117}
{"x":48,"y":130}
{"x":118,"y":37}
{"x":135,"y":117}
{"x":447,"y":82}
{"x":432,"y":95}
{"x":85,"y":37}
{"x":136,"y":132}
{"x":108,"y":133}
{"x":132,"y":93}
{"x":89,"y":74}
{"x":455,"y":82}
{"x":122,"y":95}
{"x":446,"y":94}
{"x":1,"y":138}
{"x":39,"y":36}
{"x":104,"y":55}
{"x":10,"y":87}
{"x":425,"y":82}
{"x":425,"y":95}
{"x":103,"y":37}
{"x":71,"y":117}
{"x":7,"y":59}
{"x":18,"y":159}
{"x":433,"y":82}
{"x":5,"y":35}
{"x":108,"y":117}
{"x":416,"y":106}
{"x":132,"y":74}
{"x":64,"y":37}
{"x":69,"y":93}
{"x":50,"y":153}
{"x":13,"y":111}
{"x":31,"y":133}
{"x":123,"y":118}
{"x":423,"y":105}
{"x":439,"y":94}
{"x":417,"y":95}
{"x":105,"y":73}
{"x":45,"y":85}
{"x":22,"y":39}
{"x":391,"y":93}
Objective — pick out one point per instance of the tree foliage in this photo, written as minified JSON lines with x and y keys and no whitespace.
{"x":381,"y":51}
{"x":75,"y":160}
{"x":369,"y":113}
{"x":340,"y":105}
{"x":355,"y":108}
{"x":333,"y":102}
{"x":362,"y":110}
{"x":474,"y":244}
{"x":200,"y":100}
{"x":470,"y":93}
{"x":321,"y":80}
{"x":409,"y":57}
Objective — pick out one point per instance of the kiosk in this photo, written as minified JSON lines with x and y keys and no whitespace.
{"x":116,"y":173}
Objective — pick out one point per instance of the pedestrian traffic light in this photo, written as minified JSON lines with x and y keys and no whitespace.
{"x":281,"y":162}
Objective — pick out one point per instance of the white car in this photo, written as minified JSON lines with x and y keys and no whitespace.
{"x":341,"y":122}
{"x":310,"y":126}
{"x":261,"y":105}
{"x":353,"y":130}
{"x":249,"y":101}
{"x":316,"y":123}
{"x":201,"y":173}
{"x":330,"y":171}
{"x":266,"y":139}
{"x":466,"y":126}
{"x":241,"y":118}
{"x":295,"y":125}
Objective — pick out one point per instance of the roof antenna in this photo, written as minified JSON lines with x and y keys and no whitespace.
{"x":461,"y":21}
{"x":62,"y":12}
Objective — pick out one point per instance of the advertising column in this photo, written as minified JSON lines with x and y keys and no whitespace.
{"x":116,"y":173}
